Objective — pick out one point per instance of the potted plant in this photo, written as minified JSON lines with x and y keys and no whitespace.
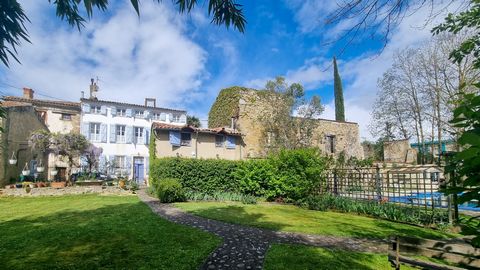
{"x":25,"y":170}
{"x":13,"y":159}
{"x":40,"y":167}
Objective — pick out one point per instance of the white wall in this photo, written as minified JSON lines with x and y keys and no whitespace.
{"x":130,"y":150}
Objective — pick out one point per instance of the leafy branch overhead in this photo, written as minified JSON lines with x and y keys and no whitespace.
{"x":13,"y":29}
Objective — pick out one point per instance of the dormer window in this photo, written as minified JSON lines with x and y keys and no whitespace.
{"x":96,"y":109}
{"x":121,"y":112}
{"x":176,"y":118}
{"x":139,"y":114}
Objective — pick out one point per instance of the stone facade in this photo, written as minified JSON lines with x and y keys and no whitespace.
{"x":331,"y":137}
{"x":21,"y":120}
{"x":399,"y":152}
{"x":75,"y":190}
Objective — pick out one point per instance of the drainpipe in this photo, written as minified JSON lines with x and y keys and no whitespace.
{"x":196,"y":145}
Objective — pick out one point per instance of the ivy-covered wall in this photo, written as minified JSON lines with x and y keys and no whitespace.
{"x":225,"y":106}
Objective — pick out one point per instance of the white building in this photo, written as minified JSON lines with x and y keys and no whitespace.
{"x":122,"y":130}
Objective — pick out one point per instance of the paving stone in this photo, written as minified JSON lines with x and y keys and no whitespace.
{"x":239,"y":241}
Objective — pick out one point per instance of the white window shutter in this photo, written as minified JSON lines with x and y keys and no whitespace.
{"x":103,"y":110}
{"x":129,"y":134}
{"x":103,"y":133}
{"x":86,"y":108}
{"x":85,"y":130}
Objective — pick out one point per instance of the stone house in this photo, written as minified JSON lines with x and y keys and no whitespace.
{"x":240,"y":108}
{"x":58,"y":117}
{"x":21,"y":119}
{"x":191,"y":142}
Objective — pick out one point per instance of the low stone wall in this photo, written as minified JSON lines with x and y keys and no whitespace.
{"x":48,"y":191}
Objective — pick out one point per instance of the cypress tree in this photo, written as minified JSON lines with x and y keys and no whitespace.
{"x":338,"y":91}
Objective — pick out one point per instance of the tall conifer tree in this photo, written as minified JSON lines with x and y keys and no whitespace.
{"x":338,"y":90}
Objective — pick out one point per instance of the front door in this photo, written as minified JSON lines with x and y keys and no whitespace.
{"x":138,"y":168}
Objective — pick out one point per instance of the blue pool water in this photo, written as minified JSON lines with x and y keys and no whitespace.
{"x":439,"y":200}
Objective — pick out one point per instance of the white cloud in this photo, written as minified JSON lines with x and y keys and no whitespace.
{"x":134,"y":57}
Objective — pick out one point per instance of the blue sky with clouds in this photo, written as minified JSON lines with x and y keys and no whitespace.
{"x":184,"y":61}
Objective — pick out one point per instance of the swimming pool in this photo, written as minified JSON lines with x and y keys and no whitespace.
{"x":437,"y":198}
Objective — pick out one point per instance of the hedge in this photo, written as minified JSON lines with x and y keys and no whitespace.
{"x":202,"y":175}
{"x":289,"y":175}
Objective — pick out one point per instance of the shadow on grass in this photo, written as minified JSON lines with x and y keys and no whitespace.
{"x":120,"y":236}
{"x":293,"y":257}
{"x":237,"y":214}
{"x":292,"y":219}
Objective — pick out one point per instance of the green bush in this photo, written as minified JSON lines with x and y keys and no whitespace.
{"x":170,"y":190}
{"x":290,"y":175}
{"x":220,"y":196}
{"x":372,"y":208}
{"x":203,"y":175}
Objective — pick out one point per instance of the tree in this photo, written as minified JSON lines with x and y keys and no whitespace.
{"x":13,"y":30}
{"x":377,"y":18}
{"x":91,"y":155}
{"x":193,"y":121}
{"x":70,"y":146}
{"x":338,"y":91}
{"x":287,"y":116}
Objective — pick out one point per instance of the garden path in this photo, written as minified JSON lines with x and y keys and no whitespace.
{"x":245,"y":247}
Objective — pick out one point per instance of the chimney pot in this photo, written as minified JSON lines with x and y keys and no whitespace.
{"x":28,"y":93}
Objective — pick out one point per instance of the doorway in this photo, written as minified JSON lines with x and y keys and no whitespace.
{"x":138,"y":169}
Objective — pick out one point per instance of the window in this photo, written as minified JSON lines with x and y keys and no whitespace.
{"x":176,"y":118}
{"x":66,"y":117}
{"x":139,"y":114}
{"x":330,"y":144}
{"x":156,"y":116}
{"x":121,"y":112}
{"x":96,"y":109}
{"x":95,"y":132}
{"x":185,"y":139}
{"x":139,"y":135}
{"x":120,"y":162}
{"x":219,"y":140}
{"x":120,"y":134}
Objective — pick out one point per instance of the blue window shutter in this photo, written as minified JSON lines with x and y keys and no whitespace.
{"x":146,"y":136}
{"x":163,"y":116}
{"x":128,"y":112}
{"x":113,"y":111}
{"x":174,"y":137}
{"x":129,"y":134}
{"x":103,"y":133}
{"x":128,"y":164}
{"x":231,"y":142}
{"x":86,"y":108}
{"x":146,"y":114}
{"x":170,"y":117}
{"x":85,"y":130}
{"x":113,"y":133}
{"x":147,"y":169}
{"x":103,"y":110}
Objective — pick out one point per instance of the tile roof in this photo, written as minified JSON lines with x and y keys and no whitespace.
{"x":8,"y":104}
{"x":44,"y":102}
{"x":219,"y":130}
{"x":128,"y":104}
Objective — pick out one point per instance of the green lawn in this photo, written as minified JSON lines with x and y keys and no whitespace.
{"x":294,"y":219}
{"x":296,"y":257}
{"x":93,"y":231}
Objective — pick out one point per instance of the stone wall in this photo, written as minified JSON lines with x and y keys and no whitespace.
{"x":19,"y":123}
{"x":399,"y":152}
{"x":250,"y":107}
{"x":76,"y":190}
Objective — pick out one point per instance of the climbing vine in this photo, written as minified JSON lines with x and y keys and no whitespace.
{"x":225,"y":106}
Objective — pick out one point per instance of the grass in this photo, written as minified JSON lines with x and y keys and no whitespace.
{"x":296,"y":257}
{"x":93,"y":231}
{"x":295,"y":219}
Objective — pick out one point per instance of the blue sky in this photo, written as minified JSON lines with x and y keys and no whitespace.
{"x":184,"y":61}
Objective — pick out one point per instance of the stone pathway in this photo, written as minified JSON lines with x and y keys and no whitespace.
{"x":245,"y":247}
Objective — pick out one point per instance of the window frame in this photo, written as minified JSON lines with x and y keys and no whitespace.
{"x":95,"y":132}
{"x":176,"y":118}
{"x":139,"y":139}
{"x":139,"y":113}
{"x":119,"y":137}
{"x":184,"y":141}
{"x":121,"y":112}
{"x":222,"y":143}
{"x":64,"y":117}
{"x":95,"y":109}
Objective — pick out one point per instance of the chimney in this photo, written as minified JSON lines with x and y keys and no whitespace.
{"x":150,"y":102}
{"x":28,"y":93}
{"x":82,"y":94}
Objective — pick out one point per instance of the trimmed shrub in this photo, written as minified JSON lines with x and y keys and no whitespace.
{"x":202,"y":175}
{"x":170,"y":190}
{"x":220,"y":196}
